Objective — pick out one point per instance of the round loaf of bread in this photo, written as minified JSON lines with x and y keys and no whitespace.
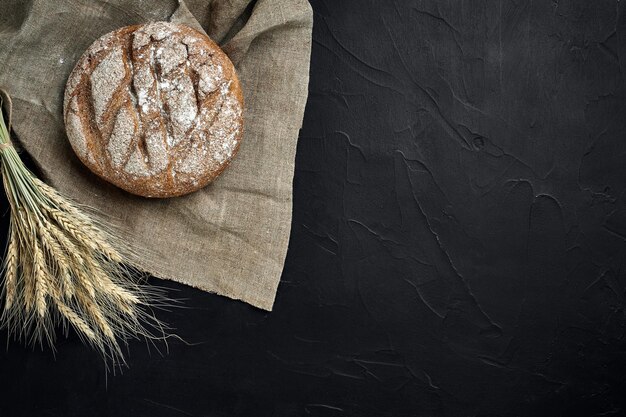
{"x":155,"y":109}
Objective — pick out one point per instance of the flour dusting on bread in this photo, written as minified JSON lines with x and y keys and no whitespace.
{"x":159,"y":104}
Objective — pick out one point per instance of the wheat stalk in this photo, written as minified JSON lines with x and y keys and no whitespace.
{"x":64,"y":266}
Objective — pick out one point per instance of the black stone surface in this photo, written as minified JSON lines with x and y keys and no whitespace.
{"x":458,"y":238}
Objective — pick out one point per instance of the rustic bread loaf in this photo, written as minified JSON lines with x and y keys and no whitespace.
{"x":155,"y":109}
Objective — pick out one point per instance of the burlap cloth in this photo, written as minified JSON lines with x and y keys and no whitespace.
{"x":231,"y":237}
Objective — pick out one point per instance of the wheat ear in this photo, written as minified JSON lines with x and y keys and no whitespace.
{"x":10,"y":270}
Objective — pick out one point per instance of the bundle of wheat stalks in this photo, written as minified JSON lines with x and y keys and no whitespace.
{"x":63,"y":266}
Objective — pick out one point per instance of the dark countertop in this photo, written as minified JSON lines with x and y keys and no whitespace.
{"x":458,"y":238}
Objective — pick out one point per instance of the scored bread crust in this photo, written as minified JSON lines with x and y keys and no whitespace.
{"x":155,"y":109}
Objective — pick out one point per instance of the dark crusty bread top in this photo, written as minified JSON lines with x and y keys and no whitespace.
{"x":155,"y":109}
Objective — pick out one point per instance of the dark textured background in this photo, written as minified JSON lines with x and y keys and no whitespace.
{"x":458,"y":239}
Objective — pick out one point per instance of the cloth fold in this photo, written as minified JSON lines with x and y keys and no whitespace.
{"x":231,"y":237}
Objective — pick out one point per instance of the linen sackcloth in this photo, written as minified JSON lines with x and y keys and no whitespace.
{"x":229,"y":238}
